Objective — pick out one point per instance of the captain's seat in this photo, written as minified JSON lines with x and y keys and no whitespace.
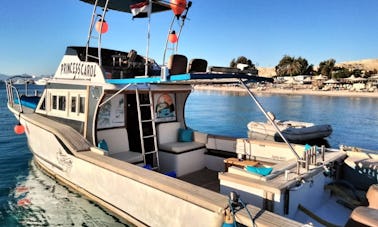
{"x":177,"y":64}
{"x":197,"y":65}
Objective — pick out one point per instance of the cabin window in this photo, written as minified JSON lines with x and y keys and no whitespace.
{"x":62,"y":103}
{"x":73,"y":104}
{"x":112,"y":113}
{"x":67,"y":104}
{"x":54,"y":102}
{"x":82,"y":104}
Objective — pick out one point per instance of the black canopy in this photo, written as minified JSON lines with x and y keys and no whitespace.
{"x":124,"y":5}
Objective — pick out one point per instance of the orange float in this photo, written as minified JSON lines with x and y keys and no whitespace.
{"x":178,"y":6}
{"x":104,"y":27}
{"x":172,"y":37}
{"x":19,"y":129}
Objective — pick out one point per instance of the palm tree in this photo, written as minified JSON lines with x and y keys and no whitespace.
{"x":326,"y":67}
{"x":242,"y":60}
{"x":289,"y":66}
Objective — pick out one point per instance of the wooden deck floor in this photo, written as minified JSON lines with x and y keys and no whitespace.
{"x":204,"y":178}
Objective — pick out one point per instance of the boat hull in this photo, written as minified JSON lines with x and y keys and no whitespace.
{"x":135,"y":194}
{"x":306,"y":134}
{"x":292,"y":134}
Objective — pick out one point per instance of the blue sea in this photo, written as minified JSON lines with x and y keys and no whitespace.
{"x":30,"y":198}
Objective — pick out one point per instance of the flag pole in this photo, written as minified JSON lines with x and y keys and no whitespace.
{"x":148,"y":37}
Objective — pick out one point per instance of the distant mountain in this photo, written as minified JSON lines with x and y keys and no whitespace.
{"x":3,"y":77}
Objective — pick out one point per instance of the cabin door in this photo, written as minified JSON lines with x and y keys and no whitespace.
{"x":133,"y":123}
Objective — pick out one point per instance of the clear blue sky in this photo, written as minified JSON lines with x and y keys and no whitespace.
{"x":34,"y":34}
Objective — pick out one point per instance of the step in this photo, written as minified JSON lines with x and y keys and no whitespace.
{"x":149,"y":120}
{"x":149,"y":136}
{"x":145,"y":105}
{"x":150,"y":152}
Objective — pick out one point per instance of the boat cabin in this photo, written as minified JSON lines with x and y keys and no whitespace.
{"x":130,"y":118}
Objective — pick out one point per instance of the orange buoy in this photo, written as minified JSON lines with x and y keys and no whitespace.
{"x":19,"y":129}
{"x":104,"y":27}
{"x":172,"y":37}
{"x":178,"y":6}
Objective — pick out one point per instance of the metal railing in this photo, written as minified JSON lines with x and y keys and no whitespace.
{"x":12,"y":90}
{"x":309,"y":156}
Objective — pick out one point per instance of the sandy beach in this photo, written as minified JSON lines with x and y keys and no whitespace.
{"x":301,"y":91}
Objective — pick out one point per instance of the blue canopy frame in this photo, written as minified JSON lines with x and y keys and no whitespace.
{"x":189,"y":76}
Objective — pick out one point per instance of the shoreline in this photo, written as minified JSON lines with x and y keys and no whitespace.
{"x":280,"y":91}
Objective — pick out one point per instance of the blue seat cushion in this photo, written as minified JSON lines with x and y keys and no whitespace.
{"x":103,"y":145}
{"x":185,"y":135}
{"x":263,"y":171}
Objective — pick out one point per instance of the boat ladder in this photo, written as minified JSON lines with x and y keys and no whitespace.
{"x":147,"y":129}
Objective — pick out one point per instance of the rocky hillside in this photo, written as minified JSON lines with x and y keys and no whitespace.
{"x":267,"y":72}
{"x":364,"y":64}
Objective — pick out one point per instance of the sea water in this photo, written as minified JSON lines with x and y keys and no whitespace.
{"x":354,"y":120}
{"x":30,"y":198}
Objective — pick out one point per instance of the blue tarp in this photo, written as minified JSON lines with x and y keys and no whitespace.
{"x":28,"y":101}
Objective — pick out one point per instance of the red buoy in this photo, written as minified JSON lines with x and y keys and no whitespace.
{"x":172,"y":37}
{"x":178,"y":6}
{"x":104,"y":27}
{"x":19,"y":129}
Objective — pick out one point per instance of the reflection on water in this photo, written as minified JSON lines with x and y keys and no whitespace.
{"x":39,"y":200}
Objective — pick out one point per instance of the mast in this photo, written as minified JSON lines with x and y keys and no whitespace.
{"x":148,"y":37}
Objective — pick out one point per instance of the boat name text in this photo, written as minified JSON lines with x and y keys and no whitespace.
{"x":78,"y":68}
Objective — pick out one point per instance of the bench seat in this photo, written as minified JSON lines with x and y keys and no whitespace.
{"x":129,"y":156}
{"x":180,"y":147}
{"x":117,"y":141}
{"x":181,"y":157}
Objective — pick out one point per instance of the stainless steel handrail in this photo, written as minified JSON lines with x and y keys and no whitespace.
{"x":269,"y":119}
{"x":10,"y":89}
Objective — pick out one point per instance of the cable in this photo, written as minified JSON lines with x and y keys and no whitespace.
{"x":234,"y":203}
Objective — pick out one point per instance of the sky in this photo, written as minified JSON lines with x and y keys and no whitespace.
{"x":34,"y":34}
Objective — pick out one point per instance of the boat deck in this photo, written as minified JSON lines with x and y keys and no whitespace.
{"x":204,"y":178}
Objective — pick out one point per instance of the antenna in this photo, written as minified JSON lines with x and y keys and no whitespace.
{"x":183,"y":18}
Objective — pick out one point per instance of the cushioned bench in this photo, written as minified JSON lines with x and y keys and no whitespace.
{"x":118,"y":145}
{"x":181,"y":157}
